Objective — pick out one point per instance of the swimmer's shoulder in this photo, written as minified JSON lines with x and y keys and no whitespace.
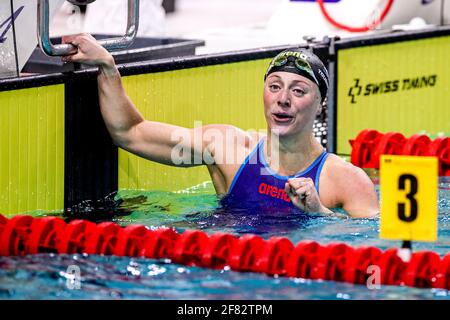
{"x":343,"y":178}
{"x":337,"y":168}
{"x":344,"y":185}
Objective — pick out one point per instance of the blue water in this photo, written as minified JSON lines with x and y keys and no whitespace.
{"x":46,"y":276}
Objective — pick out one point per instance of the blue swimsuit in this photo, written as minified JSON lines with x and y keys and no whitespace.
{"x":256,"y":184}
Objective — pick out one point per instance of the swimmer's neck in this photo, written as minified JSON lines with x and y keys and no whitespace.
{"x":289,"y":155}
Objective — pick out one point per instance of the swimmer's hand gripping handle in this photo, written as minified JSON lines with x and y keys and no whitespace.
{"x":66,"y":49}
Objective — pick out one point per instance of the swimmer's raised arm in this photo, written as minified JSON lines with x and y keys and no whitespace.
{"x":155,"y":141}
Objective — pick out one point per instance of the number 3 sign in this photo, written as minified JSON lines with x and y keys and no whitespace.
{"x":409,"y":197}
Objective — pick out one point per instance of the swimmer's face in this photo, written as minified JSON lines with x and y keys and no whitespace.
{"x":291,"y":103}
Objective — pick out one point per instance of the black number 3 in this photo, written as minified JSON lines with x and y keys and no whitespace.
{"x":413,"y":202}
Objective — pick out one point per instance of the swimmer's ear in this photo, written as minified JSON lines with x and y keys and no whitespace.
{"x":323,"y":104}
{"x":319,"y":110}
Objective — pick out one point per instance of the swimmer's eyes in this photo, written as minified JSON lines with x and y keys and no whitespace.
{"x":299,"y":92}
{"x":274,"y":87}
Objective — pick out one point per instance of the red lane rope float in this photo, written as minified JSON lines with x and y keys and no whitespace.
{"x":392,"y":267}
{"x":332,"y":261}
{"x":422,"y":269}
{"x":74,"y":237}
{"x":369,"y":27}
{"x":417,"y":145}
{"x":443,"y":275}
{"x":189,"y":247}
{"x":440,"y":148}
{"x":245,"y":253}
{"x":363,"y":148}
{"x":44,"y":235}
{"x":274,"y":255}
{"x":3,"y":222}
{"x":160,"y":244}
{"x":14,"y":236}
{"x":130,"y":240}
{"x":369,"y":145}
{"x":250,"y":253}
{"x":390,"y":143}
{"x":104,"y":239}
{"x":358,"y":263}
{"x":217,"y":250}
{"x":302,"y":262}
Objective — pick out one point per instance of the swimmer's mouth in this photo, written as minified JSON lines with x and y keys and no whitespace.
{"x":282,"y":117}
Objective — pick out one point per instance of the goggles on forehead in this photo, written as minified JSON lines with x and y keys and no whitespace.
{"x":301,"y":64}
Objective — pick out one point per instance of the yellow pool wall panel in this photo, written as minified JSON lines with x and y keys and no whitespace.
{"x":413,"y":107}
{"x":32,"y":150}
{"x":227,"y":94}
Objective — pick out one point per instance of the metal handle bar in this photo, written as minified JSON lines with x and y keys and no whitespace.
{"x":66,"y":49}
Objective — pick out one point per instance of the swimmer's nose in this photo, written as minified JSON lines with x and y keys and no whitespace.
{"x":284,"y":100}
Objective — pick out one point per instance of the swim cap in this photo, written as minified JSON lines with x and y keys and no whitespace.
{"x":302,"y":62}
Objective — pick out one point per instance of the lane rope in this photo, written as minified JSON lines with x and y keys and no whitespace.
{"x":22,"y":235}
{"x":370,"y":144}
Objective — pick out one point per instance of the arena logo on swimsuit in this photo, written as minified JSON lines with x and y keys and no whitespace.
{"x":273,"y":191}
{"x":7,"y":24}
{"x":390,"y":86}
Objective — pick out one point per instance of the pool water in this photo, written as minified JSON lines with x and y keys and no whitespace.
{"x":46,"y":276}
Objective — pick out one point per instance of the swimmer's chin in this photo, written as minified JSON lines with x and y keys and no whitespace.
{"x":282,"y":131}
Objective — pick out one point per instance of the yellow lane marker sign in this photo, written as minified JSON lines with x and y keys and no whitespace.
{"x":409,"y":187}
